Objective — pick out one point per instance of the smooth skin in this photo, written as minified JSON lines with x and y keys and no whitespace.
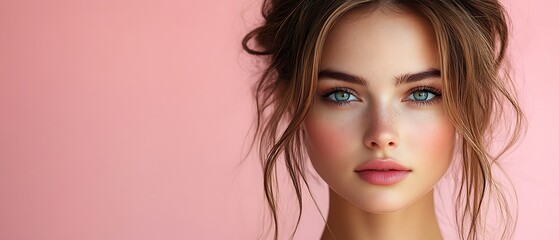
{"x":360,"y":114}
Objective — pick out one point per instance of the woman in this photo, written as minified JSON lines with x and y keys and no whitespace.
{"x":383,"y":96}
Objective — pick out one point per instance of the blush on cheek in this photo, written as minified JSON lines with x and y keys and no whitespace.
{"x":325,"y":139}
{"x":436,"y":138}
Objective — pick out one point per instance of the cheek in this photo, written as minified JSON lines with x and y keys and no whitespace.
{"x":439,"y":135}
{"x":328,"y":138}
{"x":434,"y":139}
{"x":324,"y":137}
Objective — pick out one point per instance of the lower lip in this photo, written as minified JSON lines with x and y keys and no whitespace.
{"x":383,"y":178}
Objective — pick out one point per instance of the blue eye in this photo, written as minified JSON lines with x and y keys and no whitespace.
{"x":421,"y":95}
{"x":341,"y":96}
{"x":424,"y":95}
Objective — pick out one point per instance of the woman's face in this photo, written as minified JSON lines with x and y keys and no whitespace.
{"x":379,"y":97}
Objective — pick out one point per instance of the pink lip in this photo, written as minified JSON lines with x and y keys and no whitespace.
{"x":383,"y":172}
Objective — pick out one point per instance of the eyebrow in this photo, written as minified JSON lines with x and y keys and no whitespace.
{"x":398,"y":80}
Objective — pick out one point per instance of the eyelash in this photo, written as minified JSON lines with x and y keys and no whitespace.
{"x":428,"y":88}
{"x":334,"y":90}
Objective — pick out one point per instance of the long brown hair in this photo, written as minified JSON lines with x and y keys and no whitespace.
{"x":472,"y":37}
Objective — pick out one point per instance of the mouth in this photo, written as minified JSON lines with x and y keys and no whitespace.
{"x":382,"y":172}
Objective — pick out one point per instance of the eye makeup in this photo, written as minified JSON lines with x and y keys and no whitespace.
{"x":429,"y":89}
{"x":330,"y":92}
{"x":329,"y":97}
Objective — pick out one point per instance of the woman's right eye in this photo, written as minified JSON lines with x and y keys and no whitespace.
{"x":340,"y":96}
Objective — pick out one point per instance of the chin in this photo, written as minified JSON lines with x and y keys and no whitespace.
{"x":385,"y":204}
{"x":384,"y":208}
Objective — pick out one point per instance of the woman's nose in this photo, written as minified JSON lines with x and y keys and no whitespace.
{"x":381,"y":131}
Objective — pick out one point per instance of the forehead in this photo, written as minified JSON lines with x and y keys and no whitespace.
{"x":380,"y":44}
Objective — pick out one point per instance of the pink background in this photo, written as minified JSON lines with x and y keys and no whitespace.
{"x":126,"y":119}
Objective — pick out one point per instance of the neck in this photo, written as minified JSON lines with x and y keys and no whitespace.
{"x":416,"y":222}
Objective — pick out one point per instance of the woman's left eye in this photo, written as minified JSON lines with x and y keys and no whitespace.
{"x":423,"y":96}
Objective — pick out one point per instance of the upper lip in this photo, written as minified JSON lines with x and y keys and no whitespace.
{"x":384,"y":164}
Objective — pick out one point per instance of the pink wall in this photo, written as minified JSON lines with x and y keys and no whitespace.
{"x":125,"y":119}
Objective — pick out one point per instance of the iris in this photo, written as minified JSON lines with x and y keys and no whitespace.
{"x":420,"y":95}
{"x":341,"y":96}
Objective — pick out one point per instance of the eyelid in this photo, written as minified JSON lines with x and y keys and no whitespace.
{"x":431,"y":87}
{"x":339,"y":89}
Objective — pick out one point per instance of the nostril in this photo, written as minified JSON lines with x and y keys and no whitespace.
{"x":392,"y":144}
